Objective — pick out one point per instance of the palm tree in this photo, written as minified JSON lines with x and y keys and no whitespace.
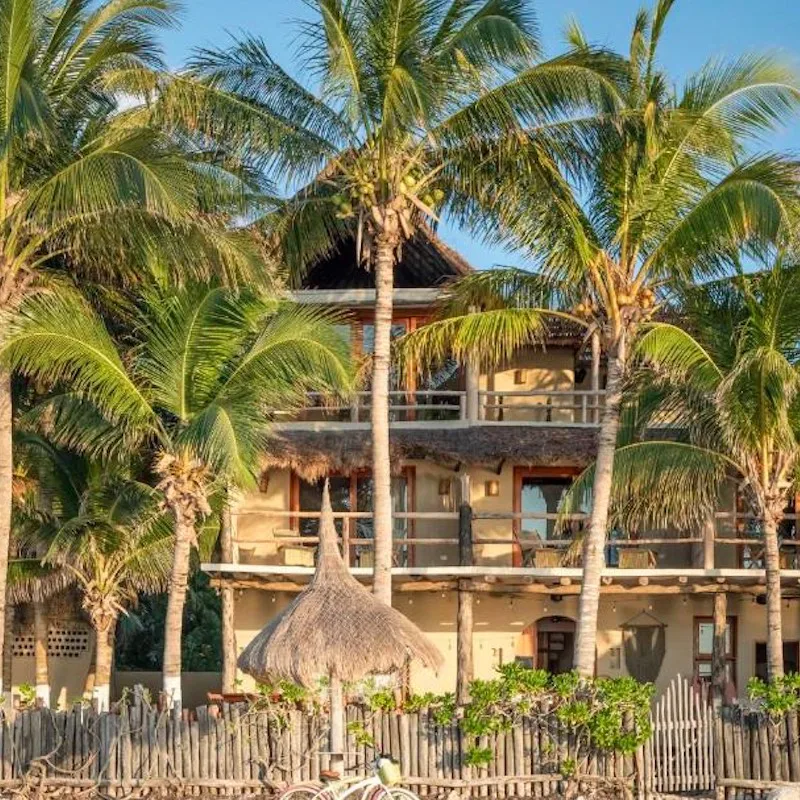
{"x":730,"y":382}
{"x":197,"y":390}
{"x":117,"y":544}
{"x":407,"y":95}
{"x":96,"y":528}
{"x":663,"y":192}
{"x":29,"y":580}
{"x":84,"y":185}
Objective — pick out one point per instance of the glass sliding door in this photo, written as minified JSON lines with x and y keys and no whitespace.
{"x":539,"y":493}
{"x":354,"y":492}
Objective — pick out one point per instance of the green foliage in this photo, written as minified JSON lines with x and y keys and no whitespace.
{"x":568,"y":768}
{"x":416,"y":702}
{"x":441,"y":706}
{"x":444,"y":710}
{"x":611,"y":714}
{"x":361,"y":736}
{"x":140,"y":638}
{"x":382,"y":700}
{"x":778,"y":696}
{"x":27,"y":694}
{"x":403,"y":102}
{"x":478,"y":756}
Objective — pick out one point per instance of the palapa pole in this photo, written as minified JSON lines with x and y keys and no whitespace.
{"x":329,"y":546}
{"x":336,"y":742}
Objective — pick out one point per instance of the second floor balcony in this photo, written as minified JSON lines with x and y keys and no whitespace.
{"x":453,"y":408}
{"x":439,"y":548}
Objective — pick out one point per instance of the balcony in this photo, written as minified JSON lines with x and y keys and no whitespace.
{"x":452,"y":409}
{"x":496,"y":552}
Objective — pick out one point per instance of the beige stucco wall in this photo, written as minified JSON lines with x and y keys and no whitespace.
{"x":67,"y":675}
{"x":195,"y":686}
{"x":255,"y":527}
{"x":500,"y":622}
{"x":551,"y":369}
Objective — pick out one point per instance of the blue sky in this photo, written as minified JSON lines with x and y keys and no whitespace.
{"x":697,"y":31}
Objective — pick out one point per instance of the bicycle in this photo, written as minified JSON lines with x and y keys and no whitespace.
{"x":350,"y":788}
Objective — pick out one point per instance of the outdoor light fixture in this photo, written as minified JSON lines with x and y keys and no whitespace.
{"x":263,"y":482}
{"x":444,"y":487}
{"x":492,"y":488}
{"x":520,"y":376}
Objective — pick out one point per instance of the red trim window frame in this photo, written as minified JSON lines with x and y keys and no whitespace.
{"x":520,"y":473}
{"x":408,"y":472}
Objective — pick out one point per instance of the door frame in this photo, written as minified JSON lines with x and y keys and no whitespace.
{"x":520,"y":473}
{"x":531,"y":633}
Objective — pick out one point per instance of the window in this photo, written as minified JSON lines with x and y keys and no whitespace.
{"x":354,"y":493}
{"x":704,"y":648}
{"x":791,"y":658}
{"x":539,"y":492}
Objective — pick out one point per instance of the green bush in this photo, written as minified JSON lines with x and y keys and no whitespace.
{"x":610,"y":714}
{"x":778,"y":696}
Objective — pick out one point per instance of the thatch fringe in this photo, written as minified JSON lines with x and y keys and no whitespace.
{"x":315,"y":454}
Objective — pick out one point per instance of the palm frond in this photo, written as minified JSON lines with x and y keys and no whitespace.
{"x":685,"y":478}
{"x":491,"y":337}
{"x":59,"y":339}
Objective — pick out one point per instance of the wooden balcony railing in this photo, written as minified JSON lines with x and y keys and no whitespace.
{"x":443,"y":407}
{"x":501,"y":539}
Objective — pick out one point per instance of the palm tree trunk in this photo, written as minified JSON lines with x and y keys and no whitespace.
{"x":104,"y":662}
{"x":91,"y":672}
{"x":381,"y":465}
{"x":8,"y":660}
{"x":594,"y":544}
{"x":228,"y":629}
{"x":173,"y":624}
{"x":42,"y":673}
{"x":772,"y":567}
{"x":6,"y":479}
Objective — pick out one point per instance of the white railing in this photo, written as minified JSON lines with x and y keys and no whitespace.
{"x":449,"y":406}
{"x":542,"y":405}
{"x":522,"y":539}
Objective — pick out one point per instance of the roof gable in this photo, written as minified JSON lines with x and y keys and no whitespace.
{"x":425,"y":261}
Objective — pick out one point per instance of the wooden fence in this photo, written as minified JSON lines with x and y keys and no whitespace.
{"x":241,"y":749}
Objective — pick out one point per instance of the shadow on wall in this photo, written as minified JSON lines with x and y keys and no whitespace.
{"x":195,"y":685}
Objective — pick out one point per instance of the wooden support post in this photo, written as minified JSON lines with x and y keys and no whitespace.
{"x":227,"y":597}
{"x":718,"y":656}
{"x":709,"y":532}
{"x":718,"y":680}
{"x":336,"y":724}
{"x":472,"y":384}
{"x":596,"y":376}
{"x":464,"y":624}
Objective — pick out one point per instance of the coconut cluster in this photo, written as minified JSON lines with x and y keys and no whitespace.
{"x":362,"y":191}
{"x":639,"y":306}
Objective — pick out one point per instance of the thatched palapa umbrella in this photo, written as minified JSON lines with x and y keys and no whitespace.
{"x":337,"y":628}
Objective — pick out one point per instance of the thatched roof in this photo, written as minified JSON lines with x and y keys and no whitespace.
{"x":314,"y":454}
{"x":425,"y":261}
{"x":335,"y":627}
